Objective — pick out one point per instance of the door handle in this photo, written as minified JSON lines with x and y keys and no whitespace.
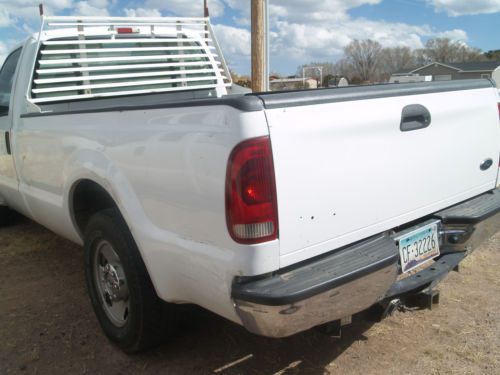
{"x":7,"y":142}
{"x":414,"y":117}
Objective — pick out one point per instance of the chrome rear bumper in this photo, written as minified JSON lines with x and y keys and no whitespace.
{"x":466,"y":226}
{"x":339,"y":302}
{"x":352,"y":279}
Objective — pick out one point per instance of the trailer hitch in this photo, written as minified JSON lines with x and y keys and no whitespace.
{"x":392,"y":306}
{"x":426,"y":299}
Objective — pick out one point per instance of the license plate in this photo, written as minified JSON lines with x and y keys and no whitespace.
{"x":418,"y":247}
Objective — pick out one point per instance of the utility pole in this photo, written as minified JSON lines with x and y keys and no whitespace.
{"x":267,"y":67}
{"x":258,"y":46}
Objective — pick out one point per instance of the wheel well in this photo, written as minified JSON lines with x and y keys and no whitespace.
{"x":89,"y":198}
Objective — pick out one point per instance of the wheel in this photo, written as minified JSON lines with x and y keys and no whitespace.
{"x":122,"y":294}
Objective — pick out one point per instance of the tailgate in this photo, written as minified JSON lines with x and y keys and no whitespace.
{"x":345,"y":170}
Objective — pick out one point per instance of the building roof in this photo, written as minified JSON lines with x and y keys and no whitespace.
{"x":475,"y":66}
{"x":405,"y":70}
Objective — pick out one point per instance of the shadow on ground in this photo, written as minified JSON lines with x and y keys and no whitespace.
{"x":48,"y":326}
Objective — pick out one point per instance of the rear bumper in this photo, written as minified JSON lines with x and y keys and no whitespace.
{"x":352,"y":279}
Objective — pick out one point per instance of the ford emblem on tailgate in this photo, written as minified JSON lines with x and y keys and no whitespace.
{"x":486,"y":164}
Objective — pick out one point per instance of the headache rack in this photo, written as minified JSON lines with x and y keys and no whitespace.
{"x":94,"y":57}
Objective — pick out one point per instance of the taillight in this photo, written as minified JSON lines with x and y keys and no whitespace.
{"x":251,"y":208}
{"x":127,"y":30}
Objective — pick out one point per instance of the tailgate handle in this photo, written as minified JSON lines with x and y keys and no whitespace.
{"x":414,"y":117}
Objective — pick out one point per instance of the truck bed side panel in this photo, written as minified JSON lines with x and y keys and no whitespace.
{"x":166,"y":170}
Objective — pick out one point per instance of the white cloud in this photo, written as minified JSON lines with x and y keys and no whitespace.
{"x":312,"y":11}
{"x":233,"y":40}
{"x":302,"y":30}
{"x":457,"y":8}
{"x":99,"y":3}
{"x":3,"y":52}
{"x":187,"y":7}
{"x":307,"y":30}
{"x":235,"y":44}
{"x":14,"y":11}
{"x":91,"y":8}
{"x":305,"y":11}
{"x":5,"y":19}
{"x":456,"y":34}
{"x":141,"y":12}
{"x":314,"y":42}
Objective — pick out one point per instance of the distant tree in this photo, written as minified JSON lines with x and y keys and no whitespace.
{"x":445,"y":50}
{"x":344,"y":68}
{"x":395,"y":59}
{"x":364,"y":57}
{"x":240,"y":80}
{"x":356,"y":80}
{"x":367,"y":61}
{"x":440,"y":50}
{"x":467,"y":54}
{"x":420,"y":56}
{"x":493,"y":55}
{"x":327,"y":79}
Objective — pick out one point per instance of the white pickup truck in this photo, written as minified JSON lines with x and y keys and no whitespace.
{"x":278,"y":211}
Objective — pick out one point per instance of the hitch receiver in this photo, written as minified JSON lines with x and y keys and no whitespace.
{"x":424,"y":300}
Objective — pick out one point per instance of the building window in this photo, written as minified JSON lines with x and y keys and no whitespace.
{"x":485,"y":75}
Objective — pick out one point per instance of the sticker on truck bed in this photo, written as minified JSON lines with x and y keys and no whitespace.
{"x":418,"y":247}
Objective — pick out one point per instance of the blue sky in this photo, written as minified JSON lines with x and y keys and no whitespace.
{"x":302,"y":30}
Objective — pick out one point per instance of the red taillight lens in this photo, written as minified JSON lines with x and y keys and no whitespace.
{"x":251,"y":208}
{"x":126,"y":30}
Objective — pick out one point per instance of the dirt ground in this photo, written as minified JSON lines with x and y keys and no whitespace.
{"x":47,"y":326}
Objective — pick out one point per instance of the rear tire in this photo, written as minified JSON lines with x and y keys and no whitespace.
{"x":122,"y":294}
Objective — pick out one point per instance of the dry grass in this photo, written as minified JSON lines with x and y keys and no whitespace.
{"x":47,"y":326}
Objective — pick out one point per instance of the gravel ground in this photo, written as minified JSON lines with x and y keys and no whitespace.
{"x":47,"y":326}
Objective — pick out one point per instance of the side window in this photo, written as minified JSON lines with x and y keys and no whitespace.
{"x":6,"y":80}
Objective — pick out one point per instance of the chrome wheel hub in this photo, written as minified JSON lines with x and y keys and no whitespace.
{"x":111,"y":283}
